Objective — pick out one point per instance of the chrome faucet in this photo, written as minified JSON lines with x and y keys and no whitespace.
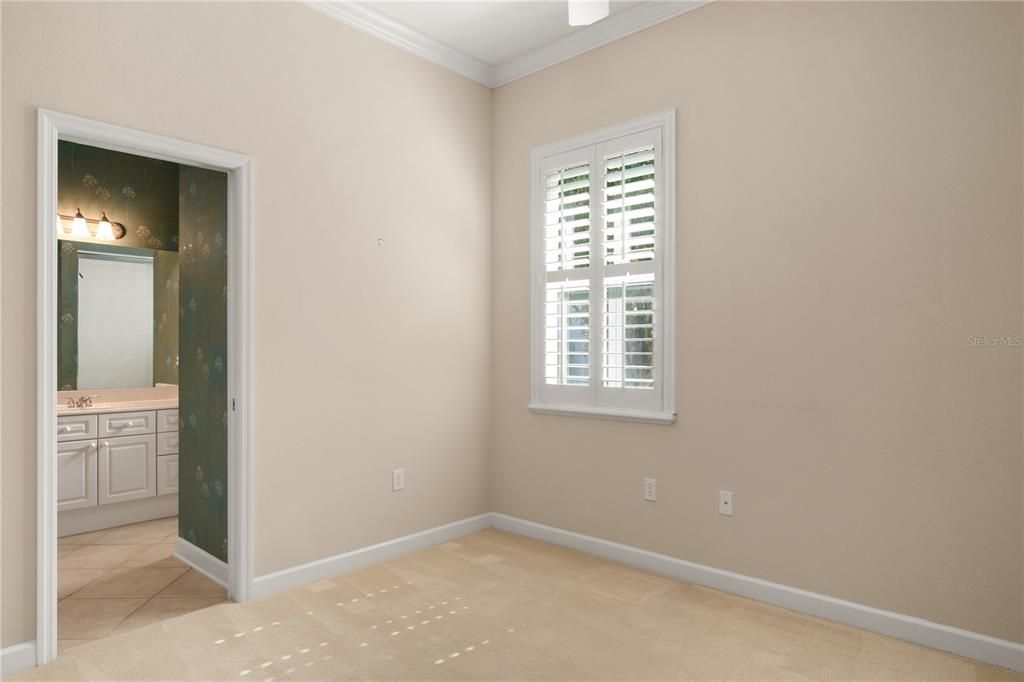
{"x":82,"y":401}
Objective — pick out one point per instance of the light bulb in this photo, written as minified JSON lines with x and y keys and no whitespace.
{"x":105,"y":231}
{"x":78,"y":226}
{"x":586,"y":12}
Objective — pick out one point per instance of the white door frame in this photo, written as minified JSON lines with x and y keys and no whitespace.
{"x":54,"y":126}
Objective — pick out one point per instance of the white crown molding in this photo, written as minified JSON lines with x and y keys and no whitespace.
{"x":590,"y":38}
{"x":616,"y":26}
{"x":381,"y":26}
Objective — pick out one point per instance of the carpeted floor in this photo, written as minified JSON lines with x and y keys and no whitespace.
{"x":498,"y":606}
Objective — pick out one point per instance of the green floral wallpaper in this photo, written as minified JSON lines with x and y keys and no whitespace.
{"x":165,"y":317}
{"x":140,"y":193}
{"x":67,"y":315}
{"x":202,"y":392}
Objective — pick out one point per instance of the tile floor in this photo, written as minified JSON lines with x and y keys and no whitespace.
{"x":496,"y":606}
{"x":118,"y":579}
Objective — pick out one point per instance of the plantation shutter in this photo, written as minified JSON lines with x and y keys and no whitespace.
{"x":600,"y":277}
{"x":567,"y":257}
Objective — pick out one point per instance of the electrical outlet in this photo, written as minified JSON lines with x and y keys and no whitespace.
{"x":650,"y":489}
{"x":397,"y":480}
{"x":725,"y":502}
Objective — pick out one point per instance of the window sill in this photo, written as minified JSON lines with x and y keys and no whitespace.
{"x":643,"y":416}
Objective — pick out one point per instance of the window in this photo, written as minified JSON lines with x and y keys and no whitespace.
{"x":603,"y":273}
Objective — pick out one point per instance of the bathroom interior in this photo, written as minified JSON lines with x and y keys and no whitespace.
{"x":142,"y":362}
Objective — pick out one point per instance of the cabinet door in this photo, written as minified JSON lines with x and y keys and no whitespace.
{"x":127,"y":468}
{"x":166,"y":474}
{"x":76,"y":475}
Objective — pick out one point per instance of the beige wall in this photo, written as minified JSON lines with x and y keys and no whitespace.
{"x":352,"y":140}
{"x":849,"y":210}
{"x":849,"y":213}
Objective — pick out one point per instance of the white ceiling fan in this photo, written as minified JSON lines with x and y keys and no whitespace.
{"x":586,"y":12}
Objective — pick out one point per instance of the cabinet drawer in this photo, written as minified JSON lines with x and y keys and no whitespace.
{"x":167,"y":443}
{"x":76,"y":427}
{"x":166,"y":421}
{"x":166,"y":474}
{"x":127,"y":424}
{"x":76,"y":475}
{"x":127,"y":468}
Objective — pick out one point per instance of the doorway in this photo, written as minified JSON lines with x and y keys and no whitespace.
{"x":235,"y":571}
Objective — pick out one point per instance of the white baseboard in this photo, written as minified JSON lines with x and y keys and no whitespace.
{"x":201,"y":560}
{"x":340,"y":563}
{"x":14,"y":659}
{"x":917,"y":630}
{"x":75,"y":521}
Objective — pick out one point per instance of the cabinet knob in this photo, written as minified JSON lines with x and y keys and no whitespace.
{"x":92,"y":446}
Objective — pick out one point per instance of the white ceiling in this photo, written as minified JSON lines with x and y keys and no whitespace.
{"x":496,"y":41}
{"x":493,"y":32}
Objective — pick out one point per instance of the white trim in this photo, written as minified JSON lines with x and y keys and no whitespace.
{"x":561,"y":399}
{"x":909,"y":628}
{"x":202,"y":561}
{"x":51,"y":127}
{"x":18,"y":657}
{"x":340,"y":563}
{"x":645,"y":416}
{"x":385,"y":28}
{"x":46,"y":385}
{"x":665,"y":119}
{"x":917,"y":630}
{"x":620,"y":25}
{"x":596,"y":35}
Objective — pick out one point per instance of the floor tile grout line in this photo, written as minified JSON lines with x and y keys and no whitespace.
{"x":108,"y":570}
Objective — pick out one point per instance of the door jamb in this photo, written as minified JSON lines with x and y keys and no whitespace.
{"x":54,"y":126}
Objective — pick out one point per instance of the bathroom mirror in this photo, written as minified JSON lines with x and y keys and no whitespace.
{"x":117,"y":316}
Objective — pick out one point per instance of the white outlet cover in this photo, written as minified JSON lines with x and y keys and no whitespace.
{"x":397,"y":480}
{"x":725,"y":502}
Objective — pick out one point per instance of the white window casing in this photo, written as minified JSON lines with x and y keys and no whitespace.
{"x":603,"y":273}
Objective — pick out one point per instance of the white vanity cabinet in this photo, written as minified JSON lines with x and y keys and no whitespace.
{"x":76,"y":427}
{"x":127,"y":468}
{"x":167,"y":452}
{"x":76,"y":475}
{"x":109,"y":457}
{"x":127,"y":424}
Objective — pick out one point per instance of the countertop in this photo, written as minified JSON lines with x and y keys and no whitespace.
{"x":119,"y":406}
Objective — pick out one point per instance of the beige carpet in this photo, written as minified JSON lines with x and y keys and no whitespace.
{"x":498,"y":606}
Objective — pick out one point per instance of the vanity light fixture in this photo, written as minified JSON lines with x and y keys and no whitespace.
{"x":106,"y":230}
{"x":78,"y":226}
